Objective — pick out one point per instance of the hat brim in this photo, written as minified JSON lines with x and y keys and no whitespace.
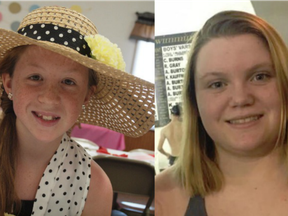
{"x":122,"y":102}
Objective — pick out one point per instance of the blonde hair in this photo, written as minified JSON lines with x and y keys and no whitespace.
{"x":197,"y":169}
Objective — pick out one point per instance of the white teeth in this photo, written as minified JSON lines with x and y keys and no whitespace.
{"x":245,"y":120}
{"x":46,"y":118}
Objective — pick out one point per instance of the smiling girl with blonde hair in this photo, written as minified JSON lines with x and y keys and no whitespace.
{"x":234,"y":156}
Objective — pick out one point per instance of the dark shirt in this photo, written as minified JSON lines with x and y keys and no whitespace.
{"x":196,"y":207}
{"x":26,"y":208}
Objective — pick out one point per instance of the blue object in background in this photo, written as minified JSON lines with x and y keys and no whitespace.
{"x":33,"y":7}
{"x":14,"y":25}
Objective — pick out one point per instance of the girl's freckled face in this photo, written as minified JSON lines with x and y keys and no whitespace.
{"x":237,"y":94}
{"x":48,"y":93}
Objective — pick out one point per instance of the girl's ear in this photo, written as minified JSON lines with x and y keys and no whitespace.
{"x":90,"y":92}
{"x":7,"y":82}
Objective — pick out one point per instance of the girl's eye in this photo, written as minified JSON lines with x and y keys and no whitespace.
{"x":216,"y":85}
{"x":35,"y":78}
{"x":261,"y":77}
{"x":68,"y":82}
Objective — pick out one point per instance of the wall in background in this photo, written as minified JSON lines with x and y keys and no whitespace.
{"x":113,"y":19}
{"x":189,"y":16}
{"x":275,"y":13}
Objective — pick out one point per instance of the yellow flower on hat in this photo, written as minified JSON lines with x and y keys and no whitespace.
{"x":105,"y":51}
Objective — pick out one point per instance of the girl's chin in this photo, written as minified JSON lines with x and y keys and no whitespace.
{"x":48,"y":137}
{"x":247,"y":149}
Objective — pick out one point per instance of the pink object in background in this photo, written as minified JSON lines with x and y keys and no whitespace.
{"x":100,"y":136}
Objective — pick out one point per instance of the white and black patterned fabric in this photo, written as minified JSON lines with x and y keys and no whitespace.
{"x":65,"y":183}
{"x":59,"y":35}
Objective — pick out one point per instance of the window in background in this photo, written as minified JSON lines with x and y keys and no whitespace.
{"x":143,"y":32}
{"x":143,"y":66}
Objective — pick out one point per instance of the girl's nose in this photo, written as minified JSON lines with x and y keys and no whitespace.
{"x":49,"y":95}
{"x":241,"y":96}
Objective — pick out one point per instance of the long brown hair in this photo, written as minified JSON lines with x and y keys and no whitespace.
{"x":9,"y":201}
{"x":8,"y":140}
{"x":197,"y":168}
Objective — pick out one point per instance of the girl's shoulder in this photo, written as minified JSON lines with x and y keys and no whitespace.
{"x":170,"y":197}
{"x":166,"y":180}
{"x":99,"y":200}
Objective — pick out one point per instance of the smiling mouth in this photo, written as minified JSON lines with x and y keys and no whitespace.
{"x":46,"y":117}
{"x":245,"y":120}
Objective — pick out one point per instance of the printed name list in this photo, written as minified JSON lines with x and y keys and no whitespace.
{"x":174,"y":63}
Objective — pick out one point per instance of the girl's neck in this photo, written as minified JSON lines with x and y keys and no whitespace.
{"x":32,"y":150}
{"x":251,"y":171}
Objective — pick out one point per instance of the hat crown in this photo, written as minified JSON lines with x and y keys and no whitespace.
{"x":60,"y":16}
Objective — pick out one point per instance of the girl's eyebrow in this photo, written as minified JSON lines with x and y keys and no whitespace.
{"x":213,"y":73}
{"x":254,"y":67}
{"x":261,"y":65}
{"x":35,"y":65}
{"x":71,"y":70}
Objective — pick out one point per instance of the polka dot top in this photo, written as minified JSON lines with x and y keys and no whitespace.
{"x":65,"y":183}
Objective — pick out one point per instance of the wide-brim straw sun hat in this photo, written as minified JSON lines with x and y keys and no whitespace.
{"x":122,"y":102}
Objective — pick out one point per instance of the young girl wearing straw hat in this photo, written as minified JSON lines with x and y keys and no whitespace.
{"x":234,"y":156}
{"x":56,"y":71}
